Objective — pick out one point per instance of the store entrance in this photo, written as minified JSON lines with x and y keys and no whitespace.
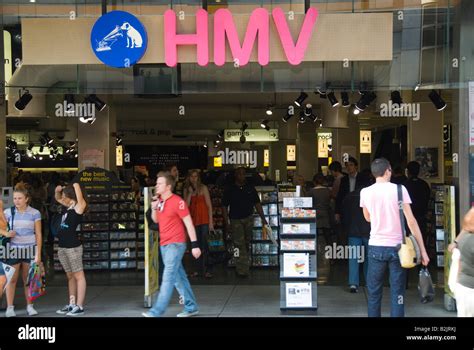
{"x":205,"y":131}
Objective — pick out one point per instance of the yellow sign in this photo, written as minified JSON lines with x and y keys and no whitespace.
{"x":119,"y":155}
{"x":217,"y":162}
{"x":365,"y":141}
{"x":324,"y":141}
{"x":291,"y":153}
{"x":266,"y":158}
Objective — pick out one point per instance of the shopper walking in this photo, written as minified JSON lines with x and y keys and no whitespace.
{"x":358,"y":238}
{"x":349,"y":183}
{"x":322,"y":203}
{"x":172,"y":168}
{"x":198,"y":199}
{"x":239,"y":201}
{"x":420,"y":193}
{"x":380,"y":207}
{"x":464,"y":292}
{"x":336,"y":171}
{"x":172,"y":214}
{"x":70,"y":248}
{"x":25,"y":221}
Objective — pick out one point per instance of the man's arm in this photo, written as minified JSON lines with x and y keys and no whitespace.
{"x":413,"y":225}
{"x":366,"y":214}
{"x":188,"y":222}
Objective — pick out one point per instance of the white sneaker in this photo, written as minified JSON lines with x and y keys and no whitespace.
{"x":188,"y":314}
{"x":31,"y":310}
{"x":10,"y":312}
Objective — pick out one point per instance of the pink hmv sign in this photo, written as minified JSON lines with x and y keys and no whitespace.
{"x":224,"y":28}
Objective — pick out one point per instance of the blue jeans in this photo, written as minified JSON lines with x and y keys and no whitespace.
{"x":379,"y":259}
{"x":354,"y":243}
{"x":174,"y":276}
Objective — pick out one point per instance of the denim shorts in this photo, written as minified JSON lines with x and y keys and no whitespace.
{"x":2,"y":272}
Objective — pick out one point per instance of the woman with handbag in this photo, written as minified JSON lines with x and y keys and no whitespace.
{"x":25,"y":221}
{"x":198,"y":199}
{"x":464,"y":281}
{"x":70,"y":247}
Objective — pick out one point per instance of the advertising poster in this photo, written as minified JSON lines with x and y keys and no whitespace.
{"x":152,"y":246}
{"x":298,"y":295}
{"x":296,"y":265}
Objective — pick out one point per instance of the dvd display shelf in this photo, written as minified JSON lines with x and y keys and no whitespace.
{"x":108,"y":232}
{"x":123,"y":231}
{"x":436,"y":223}
{"x":141,"y":235}
{"x":298,"y":256}
{"x":264,"y":250}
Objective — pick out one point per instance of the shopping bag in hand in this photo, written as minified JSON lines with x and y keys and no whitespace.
{"x":36,"y":282}
{"x":215,"y":241}
{"x":425,"y":286}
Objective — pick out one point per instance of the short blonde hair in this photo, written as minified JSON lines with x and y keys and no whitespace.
{"x":168,"y":177}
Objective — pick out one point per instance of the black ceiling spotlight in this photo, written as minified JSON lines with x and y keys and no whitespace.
{"x":396,"y":98}
{"x":243,"y":139}
{"x":366,"y":99}
{"x":437,"y":100}
{"x":69,"y":98}
{"x":244,"y":126}
{"x":320,"y":125}
{"x":30,"y":146}
{"x":23,"y":100}
{"x":308,"y":110}
{"x":299,"y":101}
{"x":345,"y":99}
{"x":41,"y":149}
{"x":269,"y":110}
{"x":332,"y":99}
{"x":98,"y":103}
{"x":221,"y":134}
{"x":118,"y":140}
{"x":46,"y":140}
{"x":264,"y":125}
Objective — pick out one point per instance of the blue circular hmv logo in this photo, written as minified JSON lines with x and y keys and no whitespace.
{"x":119,"y":39}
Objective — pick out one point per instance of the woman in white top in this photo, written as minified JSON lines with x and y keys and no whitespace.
{"x":25,"y":222}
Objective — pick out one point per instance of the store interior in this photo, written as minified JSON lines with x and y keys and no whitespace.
{"x":187,"y":129}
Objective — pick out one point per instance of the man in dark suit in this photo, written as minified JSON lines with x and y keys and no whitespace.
{"x":349,"y":183}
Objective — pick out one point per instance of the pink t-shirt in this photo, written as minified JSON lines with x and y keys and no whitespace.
{"x":381,"y":200}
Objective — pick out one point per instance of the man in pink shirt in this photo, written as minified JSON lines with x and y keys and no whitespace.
{"x":380,"y":206}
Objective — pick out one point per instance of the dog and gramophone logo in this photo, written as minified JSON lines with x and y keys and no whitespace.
{"x":119,"y":39}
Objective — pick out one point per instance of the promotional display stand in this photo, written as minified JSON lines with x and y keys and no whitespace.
{"x":298,"y":270}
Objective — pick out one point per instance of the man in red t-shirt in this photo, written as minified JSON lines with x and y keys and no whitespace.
{"x":171,"y":213}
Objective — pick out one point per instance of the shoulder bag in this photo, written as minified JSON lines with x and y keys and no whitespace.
{"x":409,"y":251}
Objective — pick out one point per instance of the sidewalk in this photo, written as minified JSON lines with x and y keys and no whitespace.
{"x":229,"y":301}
